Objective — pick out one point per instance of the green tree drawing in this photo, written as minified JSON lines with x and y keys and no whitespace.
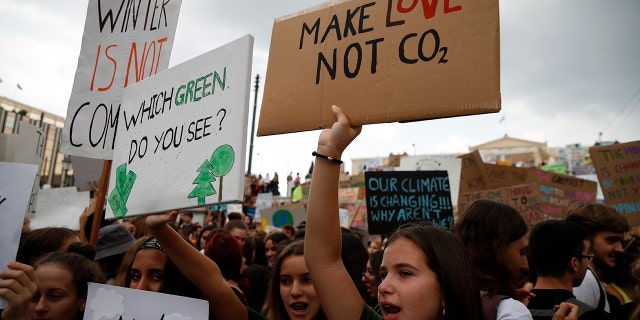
{"x":222,"y":159}
{"x":204,"y":183}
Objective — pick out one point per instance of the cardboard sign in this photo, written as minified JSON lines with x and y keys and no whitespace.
{"x":426,"y":163}
{"x":473,"y":176}
{"x":500,"y":176}
{"x":16,"y":182}
{"x":547,"y":198}
{"x":182,"y":142}
{"x":121,"y":45}
{"x":357,"y":213}
{"x":349,"y":194}
{"x":398,"y":197}
{"x":111,"y":302}
{"x":60,"y":207}
{"x":618,"y":169}
{"x":279,"y":216}
{"x":382,"y":61}
{"x":524,"y":198}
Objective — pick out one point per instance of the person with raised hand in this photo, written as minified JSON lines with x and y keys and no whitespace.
{"x":425,"y":271}
{"x":196,"y":268}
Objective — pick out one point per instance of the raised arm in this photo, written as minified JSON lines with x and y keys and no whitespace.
{"x":197,"y":268}
{"x":338,"y":294}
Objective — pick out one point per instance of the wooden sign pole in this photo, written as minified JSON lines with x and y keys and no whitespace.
{"x":100,"y":198}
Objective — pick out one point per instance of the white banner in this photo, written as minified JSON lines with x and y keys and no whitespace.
{"x":121,"y":45}
{"x":182,"y":138}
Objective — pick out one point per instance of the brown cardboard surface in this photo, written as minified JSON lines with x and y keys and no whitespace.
{"x":384,"y":88}
{"x":618,"y":170}
{"x":538,"y":195}
{"x":473,"y":176}
{"x":500,"y":176}
{"x":536,"y":201}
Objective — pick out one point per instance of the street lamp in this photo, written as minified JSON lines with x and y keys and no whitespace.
{"x":66,"y":165}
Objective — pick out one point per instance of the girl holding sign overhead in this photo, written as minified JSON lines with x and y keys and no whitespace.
{"x":426,"y":272}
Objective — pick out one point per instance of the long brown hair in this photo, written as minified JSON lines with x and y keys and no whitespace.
{"x":274,"y":308}
{"x":486,"y":229}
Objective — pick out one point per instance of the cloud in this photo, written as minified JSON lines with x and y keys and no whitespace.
{"x":107,"y":304}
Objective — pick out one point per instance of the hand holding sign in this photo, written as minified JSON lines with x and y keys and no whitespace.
{"x":332,"y":142}
{"x":18,"y":288}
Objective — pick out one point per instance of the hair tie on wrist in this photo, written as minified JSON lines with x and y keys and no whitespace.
{"x":334,"y":160}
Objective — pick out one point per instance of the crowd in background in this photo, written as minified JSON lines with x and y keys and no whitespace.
{"x":491,"y":265}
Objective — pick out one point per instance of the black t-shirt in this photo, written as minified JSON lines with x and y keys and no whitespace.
{"x":546,"y":299}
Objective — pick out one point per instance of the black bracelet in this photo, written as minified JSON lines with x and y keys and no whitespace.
{"x":334,"y":160}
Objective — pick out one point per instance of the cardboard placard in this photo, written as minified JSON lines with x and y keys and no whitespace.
{"x":537,"y":201}
{"x":182,"y":142}
{"x":349,"y":194}
{"x":382,"y":61}
{"x":357,"y":214}
{"x":473,"y":176}
{"x":499,"y":176}
{"x":279,"y":216}
{"x":111,"y":302}
{"x":618,"y":170}
{"x":524,"y":198}
{"x":16,"y":182}
{"x":397,"y":197}
{"x":119,"y":48}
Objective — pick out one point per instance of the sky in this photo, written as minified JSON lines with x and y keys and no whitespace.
{"x":570,"y":73}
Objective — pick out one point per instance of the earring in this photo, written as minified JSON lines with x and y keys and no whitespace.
{"x":443,"y":311}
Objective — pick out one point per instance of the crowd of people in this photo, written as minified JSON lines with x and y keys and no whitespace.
{"x":491,"y":265}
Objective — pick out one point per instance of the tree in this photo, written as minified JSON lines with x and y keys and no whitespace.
{"x":204,"y":183}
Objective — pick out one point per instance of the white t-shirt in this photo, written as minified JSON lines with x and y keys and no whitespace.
{"x":511,"y":309}
{"x":589,"y":291}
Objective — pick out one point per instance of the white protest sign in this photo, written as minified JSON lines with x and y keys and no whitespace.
{"x":182,"y":139}
{"x":453,"y":166}
{"x":16,"y":181}
{"x":111,"y":302}
{"x":60,"y":207}
{"x":25,"y":147}
{"x":263,"y":201}
{"x":121,"y":45}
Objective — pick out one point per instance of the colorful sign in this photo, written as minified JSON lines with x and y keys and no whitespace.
{"x":182,"y":142}
{"x":618,"y":169}
{"x":398,"y":197}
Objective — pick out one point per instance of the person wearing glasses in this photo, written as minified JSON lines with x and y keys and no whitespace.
{"x":605,"y":228}
{"x":559,"y":253}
